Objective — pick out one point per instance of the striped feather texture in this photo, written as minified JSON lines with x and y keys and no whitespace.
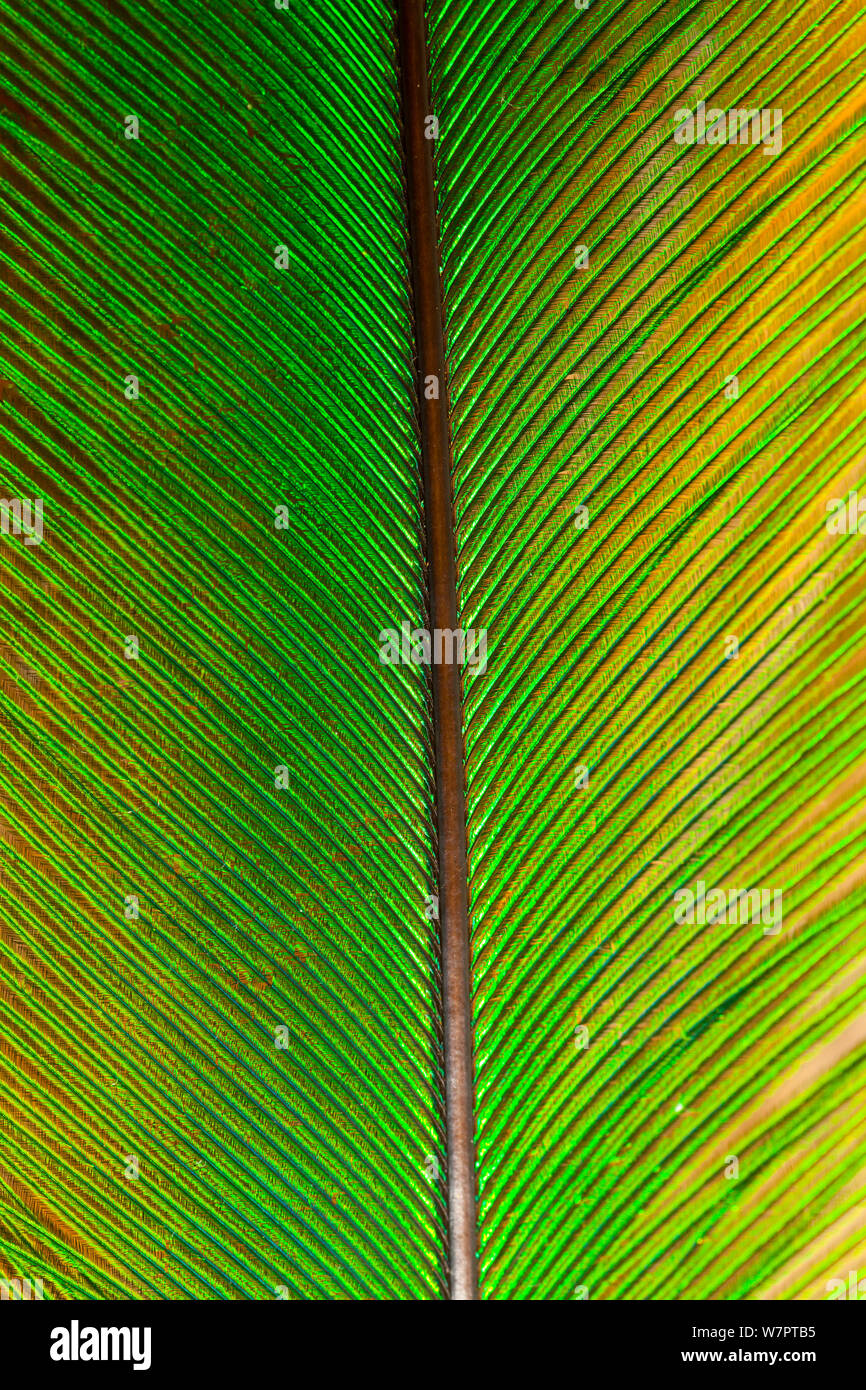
{"x":364,"y":873}
{"x":219,"y":1059}
{"x":220,"y":997}
{"x":605,"y":1156}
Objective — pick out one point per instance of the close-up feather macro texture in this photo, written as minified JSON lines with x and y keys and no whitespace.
{"x":433,"y":818}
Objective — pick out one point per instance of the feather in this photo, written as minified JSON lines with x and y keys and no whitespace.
{"x":220,"y":1063}
{"x":228,"y":1007}
{"x":646,"y":434}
